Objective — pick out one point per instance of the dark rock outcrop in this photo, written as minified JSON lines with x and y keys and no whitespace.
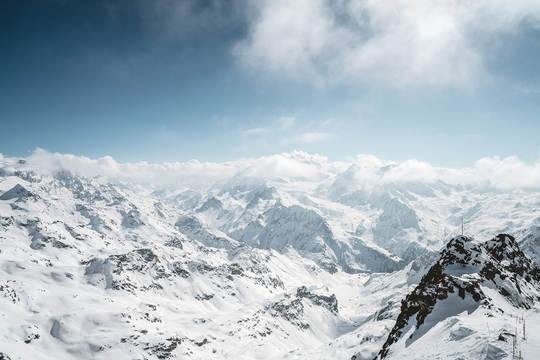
{"x":463,"y":267}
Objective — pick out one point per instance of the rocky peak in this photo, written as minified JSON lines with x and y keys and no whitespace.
{"x":211,"y":203}
{"x":343,"y":182}
{"x":504,"y":247}
{"x":464,"y":268}
{"x":17,"y":192}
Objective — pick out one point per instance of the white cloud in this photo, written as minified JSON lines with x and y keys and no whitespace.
{"x":269,"y":132}
{"x":256,"y":131}
{"x":313,"y":137}
{"x":411,"y":170}
{"x":286,"y":122}
{"x":157,"y":174}
{"x":298,"y":164}
{"x":396,"y":42}
{"x":327,"y":122}
{"x":507,"y":173}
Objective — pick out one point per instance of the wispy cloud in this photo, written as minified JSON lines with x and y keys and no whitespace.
{"x":327,"y":123}
{"x":286,"y":122}
{"x":256,"y":131}
{"x":286,"y":131}
{"x":528,"y":89}
{"x":268,"y":133}
{"x":314,"y":137}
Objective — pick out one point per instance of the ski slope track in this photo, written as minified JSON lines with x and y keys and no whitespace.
{"x":325,"y":266}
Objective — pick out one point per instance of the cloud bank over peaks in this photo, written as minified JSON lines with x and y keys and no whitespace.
{"x":395,"y":42}
{"x":508,"y":173}
{"x":297,"y":164}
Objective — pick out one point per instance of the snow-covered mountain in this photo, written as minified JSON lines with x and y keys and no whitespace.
{"x":487,"y":281}
{"x":343,"y":222}
{"x":294,"y":265}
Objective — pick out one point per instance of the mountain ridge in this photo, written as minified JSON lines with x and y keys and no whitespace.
{"x":465,"y":268}
{"x":269,"y":268}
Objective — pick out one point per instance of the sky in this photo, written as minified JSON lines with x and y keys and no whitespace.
{"x":446,"y":82}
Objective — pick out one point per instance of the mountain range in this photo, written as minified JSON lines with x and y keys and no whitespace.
{"x":320,"y":264}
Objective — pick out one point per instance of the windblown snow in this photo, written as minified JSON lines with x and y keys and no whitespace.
{"x":316,"y":263}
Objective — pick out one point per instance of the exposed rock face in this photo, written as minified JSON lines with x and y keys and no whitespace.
{"x":115,"y":272}
{"x":303,"y":229}
{"x":89,"y":189}
{"x":329,"y":302}
{"x":342,"y":184}
{"x":292,"y":308}
{"x":212,"y":203}
{"x":465,"y":268}
{"x":17,"y":192}
{"x":530,"y":242}
{"x":395,"y":217}
{"x":132,"y":219}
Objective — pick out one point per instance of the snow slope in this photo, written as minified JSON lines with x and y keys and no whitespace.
{"x":340,"y":220}
{"x":91,"y":270}
{"x":252,"y":266}
{"x":471,"y":288}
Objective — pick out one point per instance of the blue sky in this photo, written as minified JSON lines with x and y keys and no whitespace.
{"x":445,"y":82}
